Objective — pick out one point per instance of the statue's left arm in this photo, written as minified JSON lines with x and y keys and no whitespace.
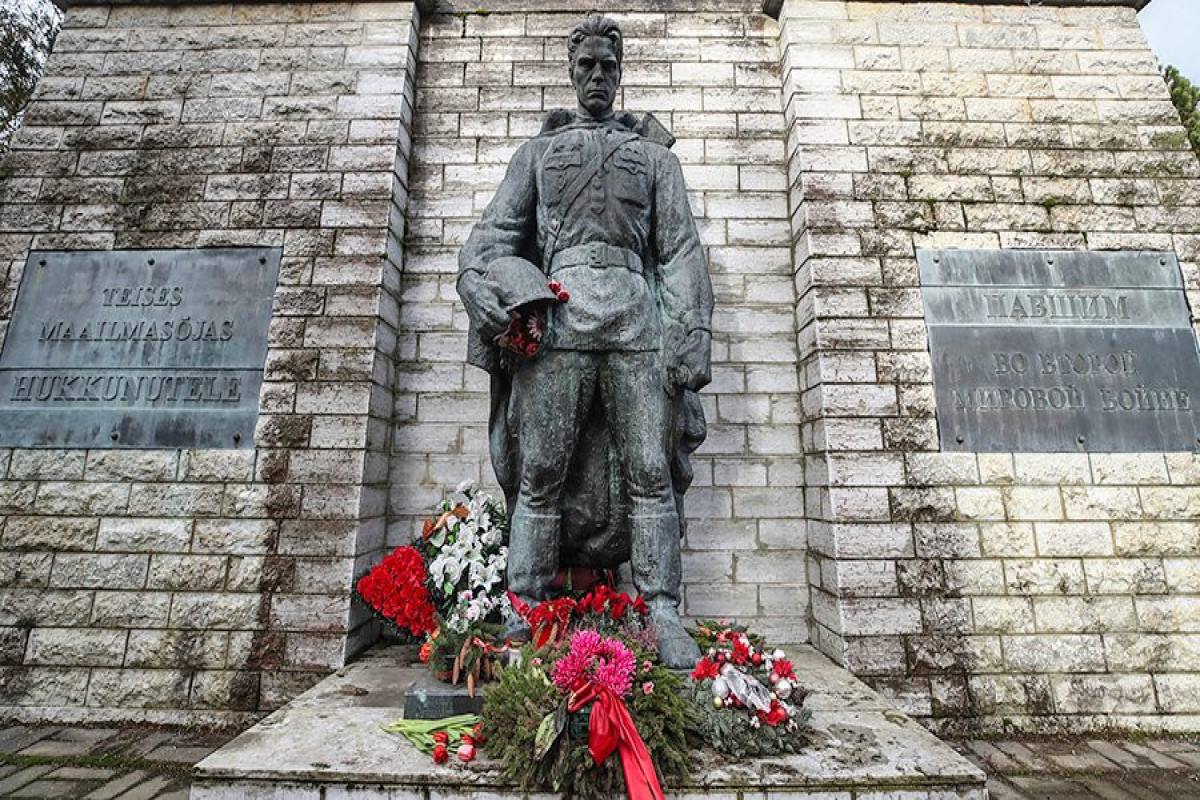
{"x":687,"y":298}
{"x":504,"y":229}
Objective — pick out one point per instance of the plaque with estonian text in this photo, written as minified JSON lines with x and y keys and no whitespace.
{"x":1061,"y":351}
{"x":137,"y":348}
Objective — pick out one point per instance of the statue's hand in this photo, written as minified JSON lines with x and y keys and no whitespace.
{"x":483,"y":307}
{"x":693,"y":369}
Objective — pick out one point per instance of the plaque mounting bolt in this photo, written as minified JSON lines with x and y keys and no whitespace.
{"x":959,"y":438}
{"x":42,"y":263}
{"x":114,"y":436}
{"x":237,"y":437}
{"x":150,"y":261}
{"x":262,"y":260}
{"x":1081,"y":438}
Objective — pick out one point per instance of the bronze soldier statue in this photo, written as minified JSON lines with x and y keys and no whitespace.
{"x":590,"y":439}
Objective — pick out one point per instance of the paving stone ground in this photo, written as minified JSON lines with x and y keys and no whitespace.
{"x":139,"y":763}
{"x":1087,"y":769}
{"x":111,"y":763}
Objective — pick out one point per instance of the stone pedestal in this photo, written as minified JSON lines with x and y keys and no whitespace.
{"x":328,"y":744}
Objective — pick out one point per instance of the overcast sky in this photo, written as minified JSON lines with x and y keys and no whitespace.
{"x":1173,"y":26}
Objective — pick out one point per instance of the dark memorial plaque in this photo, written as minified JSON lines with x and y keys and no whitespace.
{"x":137,"y":348}
{"x":1061,"y":351}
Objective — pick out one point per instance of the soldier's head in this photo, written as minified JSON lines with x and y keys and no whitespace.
{"x":594,"y":49}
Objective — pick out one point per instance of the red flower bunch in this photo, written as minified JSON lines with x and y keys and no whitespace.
{"x":548,"y":621}
{"x":395,"y":589}
{"x":782,"y":668}
{"x":777,"y":714}
{"x":604,"y":600}
{"x":705,"y":669}
{"x":527,"y":326}
{"x":524,"y":333}
{"x":557,"y":288}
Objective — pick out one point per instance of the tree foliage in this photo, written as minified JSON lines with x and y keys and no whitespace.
{"x":27,"y":29}
{"x":1186,"y":97}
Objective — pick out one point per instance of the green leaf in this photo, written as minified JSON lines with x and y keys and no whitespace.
{"x":547,"y":734}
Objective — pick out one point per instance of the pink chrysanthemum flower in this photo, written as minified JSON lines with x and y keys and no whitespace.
{"x":592,"y":657}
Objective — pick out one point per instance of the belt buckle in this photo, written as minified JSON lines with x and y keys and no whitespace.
{"x":595,"y":257}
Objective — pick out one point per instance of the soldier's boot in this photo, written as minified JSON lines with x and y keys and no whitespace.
{"x":657,"y":573}
{"x":676,"y":648}
{"x":532,"y":563}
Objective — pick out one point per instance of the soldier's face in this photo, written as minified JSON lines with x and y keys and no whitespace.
{"x":596,"y":74}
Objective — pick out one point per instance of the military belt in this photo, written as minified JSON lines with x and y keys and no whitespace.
{"x":598,"y":255}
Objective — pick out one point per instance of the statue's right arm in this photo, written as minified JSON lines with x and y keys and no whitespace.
{"x":505,"y":229}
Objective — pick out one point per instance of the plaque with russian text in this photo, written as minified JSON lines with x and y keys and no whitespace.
{"x":1061,"y":351}
{"x":137,"y":348}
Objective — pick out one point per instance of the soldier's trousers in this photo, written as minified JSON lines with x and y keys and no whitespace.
{"x":553,"y":393}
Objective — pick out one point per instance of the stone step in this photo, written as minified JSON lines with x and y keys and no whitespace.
{"x":327,"y":745}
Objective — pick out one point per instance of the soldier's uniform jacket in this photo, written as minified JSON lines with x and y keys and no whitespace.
{"x":603,"y":209}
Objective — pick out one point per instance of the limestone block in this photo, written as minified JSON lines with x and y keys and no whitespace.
{"x":144,"y":534}
{"x":131,"y":609}
{"x":1054,"y":653}
{"x":71,"y":647}
{"x":138,"y":688}
{"x":1045,"y":576}
{"x":50,"y":533}
{"x":54,"y":464}
{"x":1074,"y":539}
{"x":877,"y":616}
{"x":1003,"y":614}
{"x":138,"y":465}
{"x":1125,"y":576}
{"x":1156,"y":538}
{"x":1151,"y":652}
{"x":48,"y":686}
{"x":17,"y":496}
{"x":80,"y":497}
{"x":27,"y":570}
{"x":99,"y":571}
{"x":186,"y":572}
{"x":217,"y":611}
{"x":1104,"y":694}
{"x":1178,"y":694}
{"x":1176,"y":614}
{"x":1099,"y":614}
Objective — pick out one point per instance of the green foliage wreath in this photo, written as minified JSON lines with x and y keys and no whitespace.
{"x":514,"y":711}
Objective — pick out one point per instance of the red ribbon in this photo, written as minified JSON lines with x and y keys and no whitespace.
{"x":611,"y":728}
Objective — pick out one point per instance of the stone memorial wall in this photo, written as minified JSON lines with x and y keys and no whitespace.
{"x":830,"y":148}
{"x":176,"y":583}
{"x":984,"y":586}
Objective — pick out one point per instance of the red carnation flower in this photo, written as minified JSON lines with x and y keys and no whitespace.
{"x":705,"y":668}
{"x":741,"y":650}
{"x":775,"y":715}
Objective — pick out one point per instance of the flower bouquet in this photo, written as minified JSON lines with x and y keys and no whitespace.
{"x":436,"y":737}
{"x":465,"y":549}
{"x":448,"y":588}
{"x":395,"y":591}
